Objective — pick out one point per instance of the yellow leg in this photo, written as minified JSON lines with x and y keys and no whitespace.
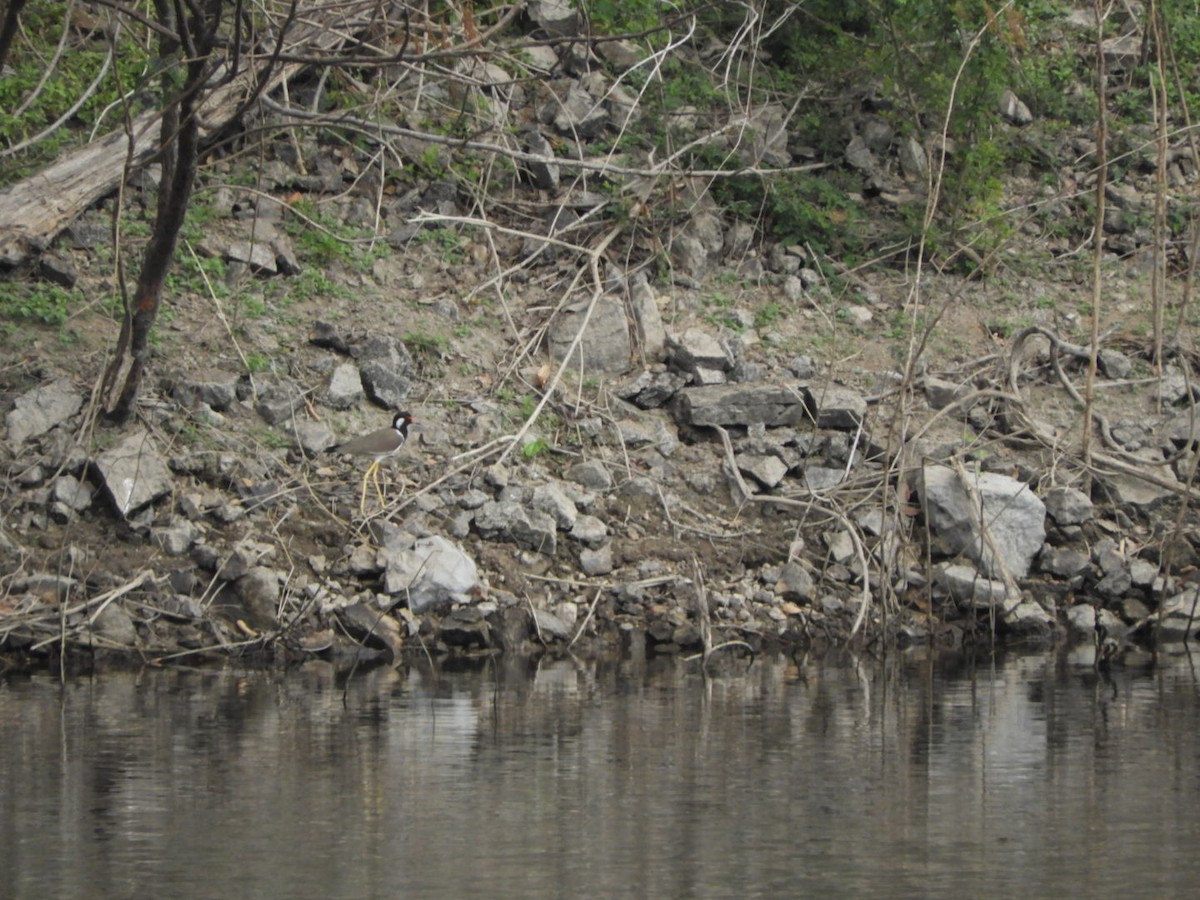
{"x":379,"y":488}
{"x":372,"y":469}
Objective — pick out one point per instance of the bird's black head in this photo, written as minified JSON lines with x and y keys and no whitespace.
{"x":401,"y":422}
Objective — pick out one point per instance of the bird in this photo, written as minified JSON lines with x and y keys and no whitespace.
{"x":379,"y":445}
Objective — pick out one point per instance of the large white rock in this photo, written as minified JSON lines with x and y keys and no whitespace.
{"x":1015,"y":517}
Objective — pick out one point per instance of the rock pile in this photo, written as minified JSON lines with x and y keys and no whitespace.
{"x":715,"y":501}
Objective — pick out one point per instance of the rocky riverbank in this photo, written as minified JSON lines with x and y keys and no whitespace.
{"x":712,"y":500}
{"x":640,"y":420}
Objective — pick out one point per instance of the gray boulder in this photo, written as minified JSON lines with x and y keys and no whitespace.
{"x":134,"y":473}
{"x":1015,"y":517}
{"x":509,"y":520}
{"x":739,"y":404}
{"x":36,"y":412}
{"x":433,"y":571}
{"x":605,"y":345}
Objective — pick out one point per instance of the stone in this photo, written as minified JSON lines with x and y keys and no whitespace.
{"x":767,"y":469}
{"x":739,"y":238}
{"x":1114,"y":363}
{"x":1014,"y":110}
{"x":75,"y":494}
{"x":822,"y":478}
{"x":286,"y":260}
{"x":1126,"y":490}
{"x":877,"y":133}
{"x":550,"y":499}
{"x":768,"y":143}
{"x":558,"y":18}
{"x":860,"y":157}
{"x":509,"y":520}
{"x":41,"y":409}
{"x":1142,"y":573}
{"x":841,"y":545}
{"x":277,"y":403}
{"x":651,"y":335}
{"x":545,"y":175}
{"x":433,"y":571}
{"x":466,"y":627}
{"x":1029,"y":618}
{"x":914,"y":161}
{"x":688,"y":255}
{"x":133,"y":473}
{"x":175,"y":538}
{"x":1179,"y":614}
{"x":695,"y":348}
{"x":386,"y":368}
{"x":739,"y":404}
{"x":940,"y":394}
{"x":605,"y":346}
{"x":835,"y":406}
{"x":966,"y":586}
{"x":550,"y":626}
{"x":372,"y":627}
{"x":345,"y":387}
{"x":592,"y":474}
{"x":598,"y":561}
{"x":579,"y":114}
{"x":215,"y":388}
{"x":326,"y":335}
{"x":1015,"y":518}
{"x":115,"y":624}
{"x":58,"y":269}
{"x":589,"y":530}
{"x":259,"y":591}
{"x":385,"y":385}
{"x":255,"y":254}
{"x":651,"y":390}
{"x":795,"y":584}
{"x":1068,"y":505}
{"x":314,"y":438}
{"x":1063,"y":562}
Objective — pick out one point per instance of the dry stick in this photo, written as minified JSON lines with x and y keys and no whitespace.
{"x":701,"y":593}
{"x":591,"y":611}
{"x":1098,"y":229}
{"x":1098,"y":461}
{"x":101,"y":599}
{"x":1158,"y":279}
{"x":1057,"y":344}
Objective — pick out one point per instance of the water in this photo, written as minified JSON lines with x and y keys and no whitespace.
{"x":914,"y":776}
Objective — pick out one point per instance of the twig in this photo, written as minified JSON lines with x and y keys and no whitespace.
{"x":583,"y":626}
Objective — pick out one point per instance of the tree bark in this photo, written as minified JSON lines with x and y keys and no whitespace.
{"x":8,"y":28}
{"x":196,"y":34}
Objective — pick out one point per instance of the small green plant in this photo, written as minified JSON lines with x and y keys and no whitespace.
{"x":37,"y":302}
{"x":434,"y":345}
{"x":535,"y":448}
{"x":446,"y":241}
{"x":257,"y":362}
{"x":274,"y":440}
{"x":768,"y":314}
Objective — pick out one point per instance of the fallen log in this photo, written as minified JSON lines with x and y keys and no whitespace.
{"x":34,"y":210}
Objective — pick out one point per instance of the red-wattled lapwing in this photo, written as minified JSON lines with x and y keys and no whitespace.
{"x":379,"y":445}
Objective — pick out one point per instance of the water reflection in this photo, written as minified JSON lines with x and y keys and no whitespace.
{"x":915,"y":775}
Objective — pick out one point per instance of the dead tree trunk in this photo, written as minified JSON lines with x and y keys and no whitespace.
{"x":194,"y":34}
{"x":8,"y":28}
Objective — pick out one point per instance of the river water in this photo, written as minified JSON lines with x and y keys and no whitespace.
{"x":914,"y":775}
